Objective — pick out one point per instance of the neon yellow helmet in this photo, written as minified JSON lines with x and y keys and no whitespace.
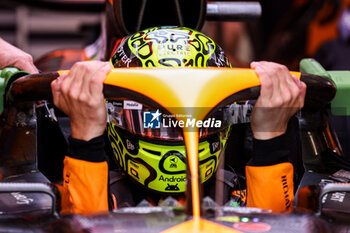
{"x":149,"y":151}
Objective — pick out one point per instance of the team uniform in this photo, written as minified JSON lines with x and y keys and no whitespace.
{"x":86,"y":185}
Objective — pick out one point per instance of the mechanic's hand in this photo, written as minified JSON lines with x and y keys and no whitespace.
{"x":281,"y":96}
{"x":79,"y":94}
{"x":12,"y":56}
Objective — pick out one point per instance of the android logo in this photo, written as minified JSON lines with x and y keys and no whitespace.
{"x":172,"y":187}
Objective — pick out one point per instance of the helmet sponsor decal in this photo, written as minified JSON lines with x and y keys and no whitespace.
{"x":168,"y":47}
{"x":172,"y":187}
{"x":128,"y":104}
{"x":172,"y":179}
{"x":173,"y":162}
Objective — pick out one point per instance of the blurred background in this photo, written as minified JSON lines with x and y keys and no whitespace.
{"x":287,"y":30}
{"x":39,"y":28}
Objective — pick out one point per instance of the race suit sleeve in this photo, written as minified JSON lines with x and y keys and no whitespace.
{"x":270,"y":175}
{"x":85,"y":178}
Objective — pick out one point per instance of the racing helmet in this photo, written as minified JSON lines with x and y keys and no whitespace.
{"x":155,"y":157}
{"x":124,"y":17}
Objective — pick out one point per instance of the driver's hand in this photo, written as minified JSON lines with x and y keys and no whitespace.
{"x":12,"y":56}
{"x":281,"y":96}
{"x":79,"y":94}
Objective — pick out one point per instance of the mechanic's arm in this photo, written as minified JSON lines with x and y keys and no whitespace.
{"x":12,"y":56}
{"x":79,"y":94}
{"x":269,"y":173}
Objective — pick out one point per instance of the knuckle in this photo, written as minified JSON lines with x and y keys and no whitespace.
{"x":273,"y":72}
{"x":65,"y":86}
{"x":24,"y":58}
{"x":287,"y":96}
{"x":28,"y":57}
{"x":282,"y":67}
{"x":95,"y":81}
{"x":278,"y":101}
{"x":267,"y":83}
{"x":72,"y":94}
{"x":79,"y":65}
{"x":296,"y":91}
{"x":83,"y":97}
{"x":92,"y":104}
{"x":278,"y":69}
